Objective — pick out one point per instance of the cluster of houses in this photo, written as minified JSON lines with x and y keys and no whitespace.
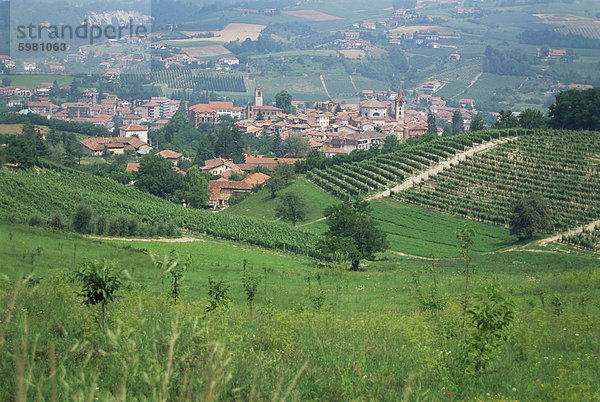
{"x":100,"y":109}
{"x":354,"y":127}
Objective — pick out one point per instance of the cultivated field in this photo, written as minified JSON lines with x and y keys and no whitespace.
{"x":312,"y":15}
{"x":206,"y":51}
{"x":232,"y":32}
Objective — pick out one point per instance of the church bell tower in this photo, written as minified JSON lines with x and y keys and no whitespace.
{"x":258,"y":97}
{"x":399,"y":106}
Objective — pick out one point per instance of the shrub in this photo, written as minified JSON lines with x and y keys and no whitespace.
{"x":35,"y":220}
{"x":56,"y":221}
{"x":82,"y":218}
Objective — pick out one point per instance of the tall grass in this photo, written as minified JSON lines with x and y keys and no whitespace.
{"x":52,"y":347}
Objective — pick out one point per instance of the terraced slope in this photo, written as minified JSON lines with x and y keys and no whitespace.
{"x":50,"y":191}
{"x":385,"y":171}
{"x":562,"y":166}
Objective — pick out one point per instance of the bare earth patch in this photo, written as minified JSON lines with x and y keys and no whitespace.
{"x":353,"y":53}
{"x":233,"y":31}
{"x":415,"y":28}
{"x":159,"y":239}
{"x":312,"y":15}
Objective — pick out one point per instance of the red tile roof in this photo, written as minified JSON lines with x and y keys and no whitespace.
{"x":168,"y":154}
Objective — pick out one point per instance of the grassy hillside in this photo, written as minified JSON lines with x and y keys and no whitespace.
{"x":419,"y":231}
{"x":410,"y":229}
{"x":49,"y":191}
{"x":369,"y":339}
{"x":262,"y":205}
{"x":561,"y":166}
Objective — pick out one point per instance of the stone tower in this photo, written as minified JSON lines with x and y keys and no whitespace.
{"x":258,"y":97}
{"x":399,"y":106}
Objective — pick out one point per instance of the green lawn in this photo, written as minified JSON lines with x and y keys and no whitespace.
{"x":262,"y":205}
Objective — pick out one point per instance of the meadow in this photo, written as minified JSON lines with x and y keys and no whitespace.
{"x":32,"y":81}
{"x":314,"y":330}
{"x":262,"y":204}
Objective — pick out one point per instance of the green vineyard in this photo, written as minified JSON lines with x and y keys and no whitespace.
{"x":47,"y":192}
{"x":195,"y":79}
{"x":587,"y":239}
{"x":377,"y":174}
{"x":561,"y":166}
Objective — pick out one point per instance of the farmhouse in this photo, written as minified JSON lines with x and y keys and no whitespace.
{"x":222,"y":167}
{"x":171,"y":156}
{"x":220,"y":191}
{"x":118,"y":145}
{"x":229,"y":61}
{"x":133,"y":130}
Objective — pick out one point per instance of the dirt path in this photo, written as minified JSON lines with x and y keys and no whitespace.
{"x":552,"y":239}
{"x":432,"y":171}
{"x":353,"y":84}
{"x":324,"y":86}
{"x":185,"y":239}
{"x":415,"y":256}
{"x":473,"y":81}
{"x":523,"y":83}
{"x":310,"y":223}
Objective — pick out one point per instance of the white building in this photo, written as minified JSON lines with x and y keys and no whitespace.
{"x":134,"y":130}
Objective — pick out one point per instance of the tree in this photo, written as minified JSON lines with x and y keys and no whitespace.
{"x":157,"y":176}
{"x":338,"y":109}
{"x":100,"y":281}
{"x":21,"y":152}
{"x":260,"y":116}
{"x":576,"y":110}
{"x":229,"y":143}
{"x":457,"y":123}
{"x":295,"y":146}
{"x":529,"y":214}
{"x":477,"y":123}
{"x":173,"y":268}
{"x":82,"y":218}
{"x":431,"y":123}
{"x":390,"y":144}
{"x":532,"y":119}
{"x":291,"y":207}
{"x":277,"y":147}
{"x":465,"y":237}
{"x":6,"y":82}
{"x":206,"y":150}
{"x":283,"y":100}
{"x":281,"y":177}
{"x":195,"y":188}
{"x":506,"y":119}
{"x":352,"y":232}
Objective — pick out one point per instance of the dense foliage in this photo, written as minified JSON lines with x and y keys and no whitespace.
{"x":576,"y":110}
{"x":506,"y":62}
{"x":353,"y":232}
{"x":551,"y":37}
